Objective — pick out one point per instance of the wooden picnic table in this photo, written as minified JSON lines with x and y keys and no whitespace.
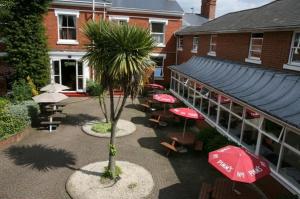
{"x":223,"y":188}
{"x":187,"y":139}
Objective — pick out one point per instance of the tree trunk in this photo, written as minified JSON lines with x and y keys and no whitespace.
{"x":111,"y":159}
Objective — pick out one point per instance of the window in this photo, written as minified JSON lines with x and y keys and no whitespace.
{"x":212,"y":45}
{"x":195,"y":44}
{"x":119,"y":19}
{"x":67,"y":26}
{"x":157,"y":27}
{"x":180,"y":43}
{"x":56,"y":72}
{"x":159,"y":68}
{"x":295,"y":50}
{"x":255,"y":49}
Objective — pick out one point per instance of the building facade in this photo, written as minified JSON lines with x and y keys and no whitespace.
{"x":65,"y":20}
{"x":241,"y":71}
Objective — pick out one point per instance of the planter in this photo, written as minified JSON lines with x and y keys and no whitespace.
{"x":14,"y":138}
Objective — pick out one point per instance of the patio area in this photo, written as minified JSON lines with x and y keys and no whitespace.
{"x":39,"y":165}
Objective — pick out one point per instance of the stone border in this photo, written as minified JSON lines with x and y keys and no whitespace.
{"x":124,"y":128}
{"x":14,"y":138}
{"x":135,"y":182}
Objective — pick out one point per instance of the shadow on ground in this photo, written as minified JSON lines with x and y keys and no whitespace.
{"x":40,"y":157}
{"x":78,"y":119}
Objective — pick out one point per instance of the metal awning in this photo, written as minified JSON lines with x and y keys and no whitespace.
{"x":274,"y":92}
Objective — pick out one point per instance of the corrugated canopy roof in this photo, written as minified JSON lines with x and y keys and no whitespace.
{"x":276,"y":15}
{"x":273,"y":92}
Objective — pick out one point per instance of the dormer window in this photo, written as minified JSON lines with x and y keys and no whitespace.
{"x":67,"y":26}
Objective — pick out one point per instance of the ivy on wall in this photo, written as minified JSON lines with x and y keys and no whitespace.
{"x":24,"y":37}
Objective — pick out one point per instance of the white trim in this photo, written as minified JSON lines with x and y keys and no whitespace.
{"x":291,"y":67}
{"x":152,"y":12}
{"x":118,"y":17}
{"x":66,"y":55}
{"x":290,"y":63}
{"x":66,"y":12}
{"x":211,"y":53}
{"x":180,"y":49}
{"x":158,"y":20}
{"x":158,"y":55}
{"x":67,"y":42}
{"x":195,"y":51}
{"x":161,"y":45}
{"x":253,"y":61}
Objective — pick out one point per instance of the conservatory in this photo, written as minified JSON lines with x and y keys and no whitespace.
{"x":255,"y":107}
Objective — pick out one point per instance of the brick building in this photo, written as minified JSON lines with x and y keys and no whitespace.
{"x":241,"y":72}
{"x":65,"y":20}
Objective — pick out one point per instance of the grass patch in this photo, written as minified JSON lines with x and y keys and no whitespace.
{"x":108,"y":176}
{"x":102,"y":127}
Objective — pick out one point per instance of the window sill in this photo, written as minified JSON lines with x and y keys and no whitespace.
{"x":211,"y":53}
{"x":291,"y":67}
{"x":179,"y":49}
{"x":160,"y":45}
{"x":67,"y":42}
{"x":195,"y":51}
{"x":158,"y":78}
{"x":253,"y":61}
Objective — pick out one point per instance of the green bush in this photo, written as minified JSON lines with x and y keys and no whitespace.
{"x":213,"y":140}
{"x":93,"y":88}
{"x":21,"y":91}
{"x":9,"y":124}
{"x":27,"y":110}
{"x":102,"y":127}
{"x":3,"y":103}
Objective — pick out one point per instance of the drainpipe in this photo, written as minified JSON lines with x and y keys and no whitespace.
{"x":93,"y":10}
{"x":93,"y":70}
{"x":176,"y":53}
{"x":104,"y":11}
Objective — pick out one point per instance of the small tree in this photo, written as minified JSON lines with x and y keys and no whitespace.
{"x":25,"y":40}
{"x":120,"y":55}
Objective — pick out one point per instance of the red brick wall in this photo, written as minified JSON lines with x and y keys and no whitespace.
{"x":235,"y":47}
{"x":276,"y":48}
{"x":142,"y":20}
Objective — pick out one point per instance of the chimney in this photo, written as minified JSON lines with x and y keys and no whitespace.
{"x":208,"y":9}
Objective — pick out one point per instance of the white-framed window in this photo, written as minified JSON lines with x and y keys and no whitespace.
{"x":67,"y":26}
{"x":195,"y":44}
{"x":295,"y":50}
{"x":159,"y":59}
{"x":255,"y":48}
{"x":119,"y":19}
{"x":212,"y":45}
{"x":157,"y":29}
{"x":180,"y":42}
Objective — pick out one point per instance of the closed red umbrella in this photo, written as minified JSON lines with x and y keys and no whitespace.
{"x":187,"y":113}
{"x":238,"y":164}
{"x":155,"y":86}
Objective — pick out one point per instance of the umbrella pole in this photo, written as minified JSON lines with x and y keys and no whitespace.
{"x":50,"y":126}
{"x":184,"y":128}
{"x":164,"y":108}
{"x":234,"y":190}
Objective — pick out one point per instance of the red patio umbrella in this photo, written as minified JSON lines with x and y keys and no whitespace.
{"x":155,"y":86}
{"x":164,"y":98}
{"x":238,"y":164}
{"x":187,"y":113}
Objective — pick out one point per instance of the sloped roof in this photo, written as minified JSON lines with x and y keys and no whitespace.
{"x":148,"y":5}
{"x":192,"y":19}
{"x":273,"y":92}
{"x":278,"y":14}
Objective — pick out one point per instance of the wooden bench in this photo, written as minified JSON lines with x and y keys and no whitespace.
{"x":157,"y":122}
{"x":50,"y":123}
{"x":206,"y":190}
{"x":169,"y":147}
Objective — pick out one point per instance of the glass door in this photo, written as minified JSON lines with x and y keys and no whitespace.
{"x":79,"y":74}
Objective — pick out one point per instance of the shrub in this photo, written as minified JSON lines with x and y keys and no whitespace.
{"x":3,"y":103}
{"x":9,"y":124}
{"x":32,"y":86}
{"x":213,"y":140}
{"x":93,"y":88}
{"x":27,"y":110}
{"x":102,"y":127}
{"x":21,"y":91}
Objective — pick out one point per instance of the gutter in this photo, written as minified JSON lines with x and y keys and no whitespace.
{"x":146,"y":11}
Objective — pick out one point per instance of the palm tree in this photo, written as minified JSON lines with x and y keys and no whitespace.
{"x":120,"y":55}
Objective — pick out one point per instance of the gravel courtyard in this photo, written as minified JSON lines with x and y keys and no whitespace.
{"x":39,"y":166}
